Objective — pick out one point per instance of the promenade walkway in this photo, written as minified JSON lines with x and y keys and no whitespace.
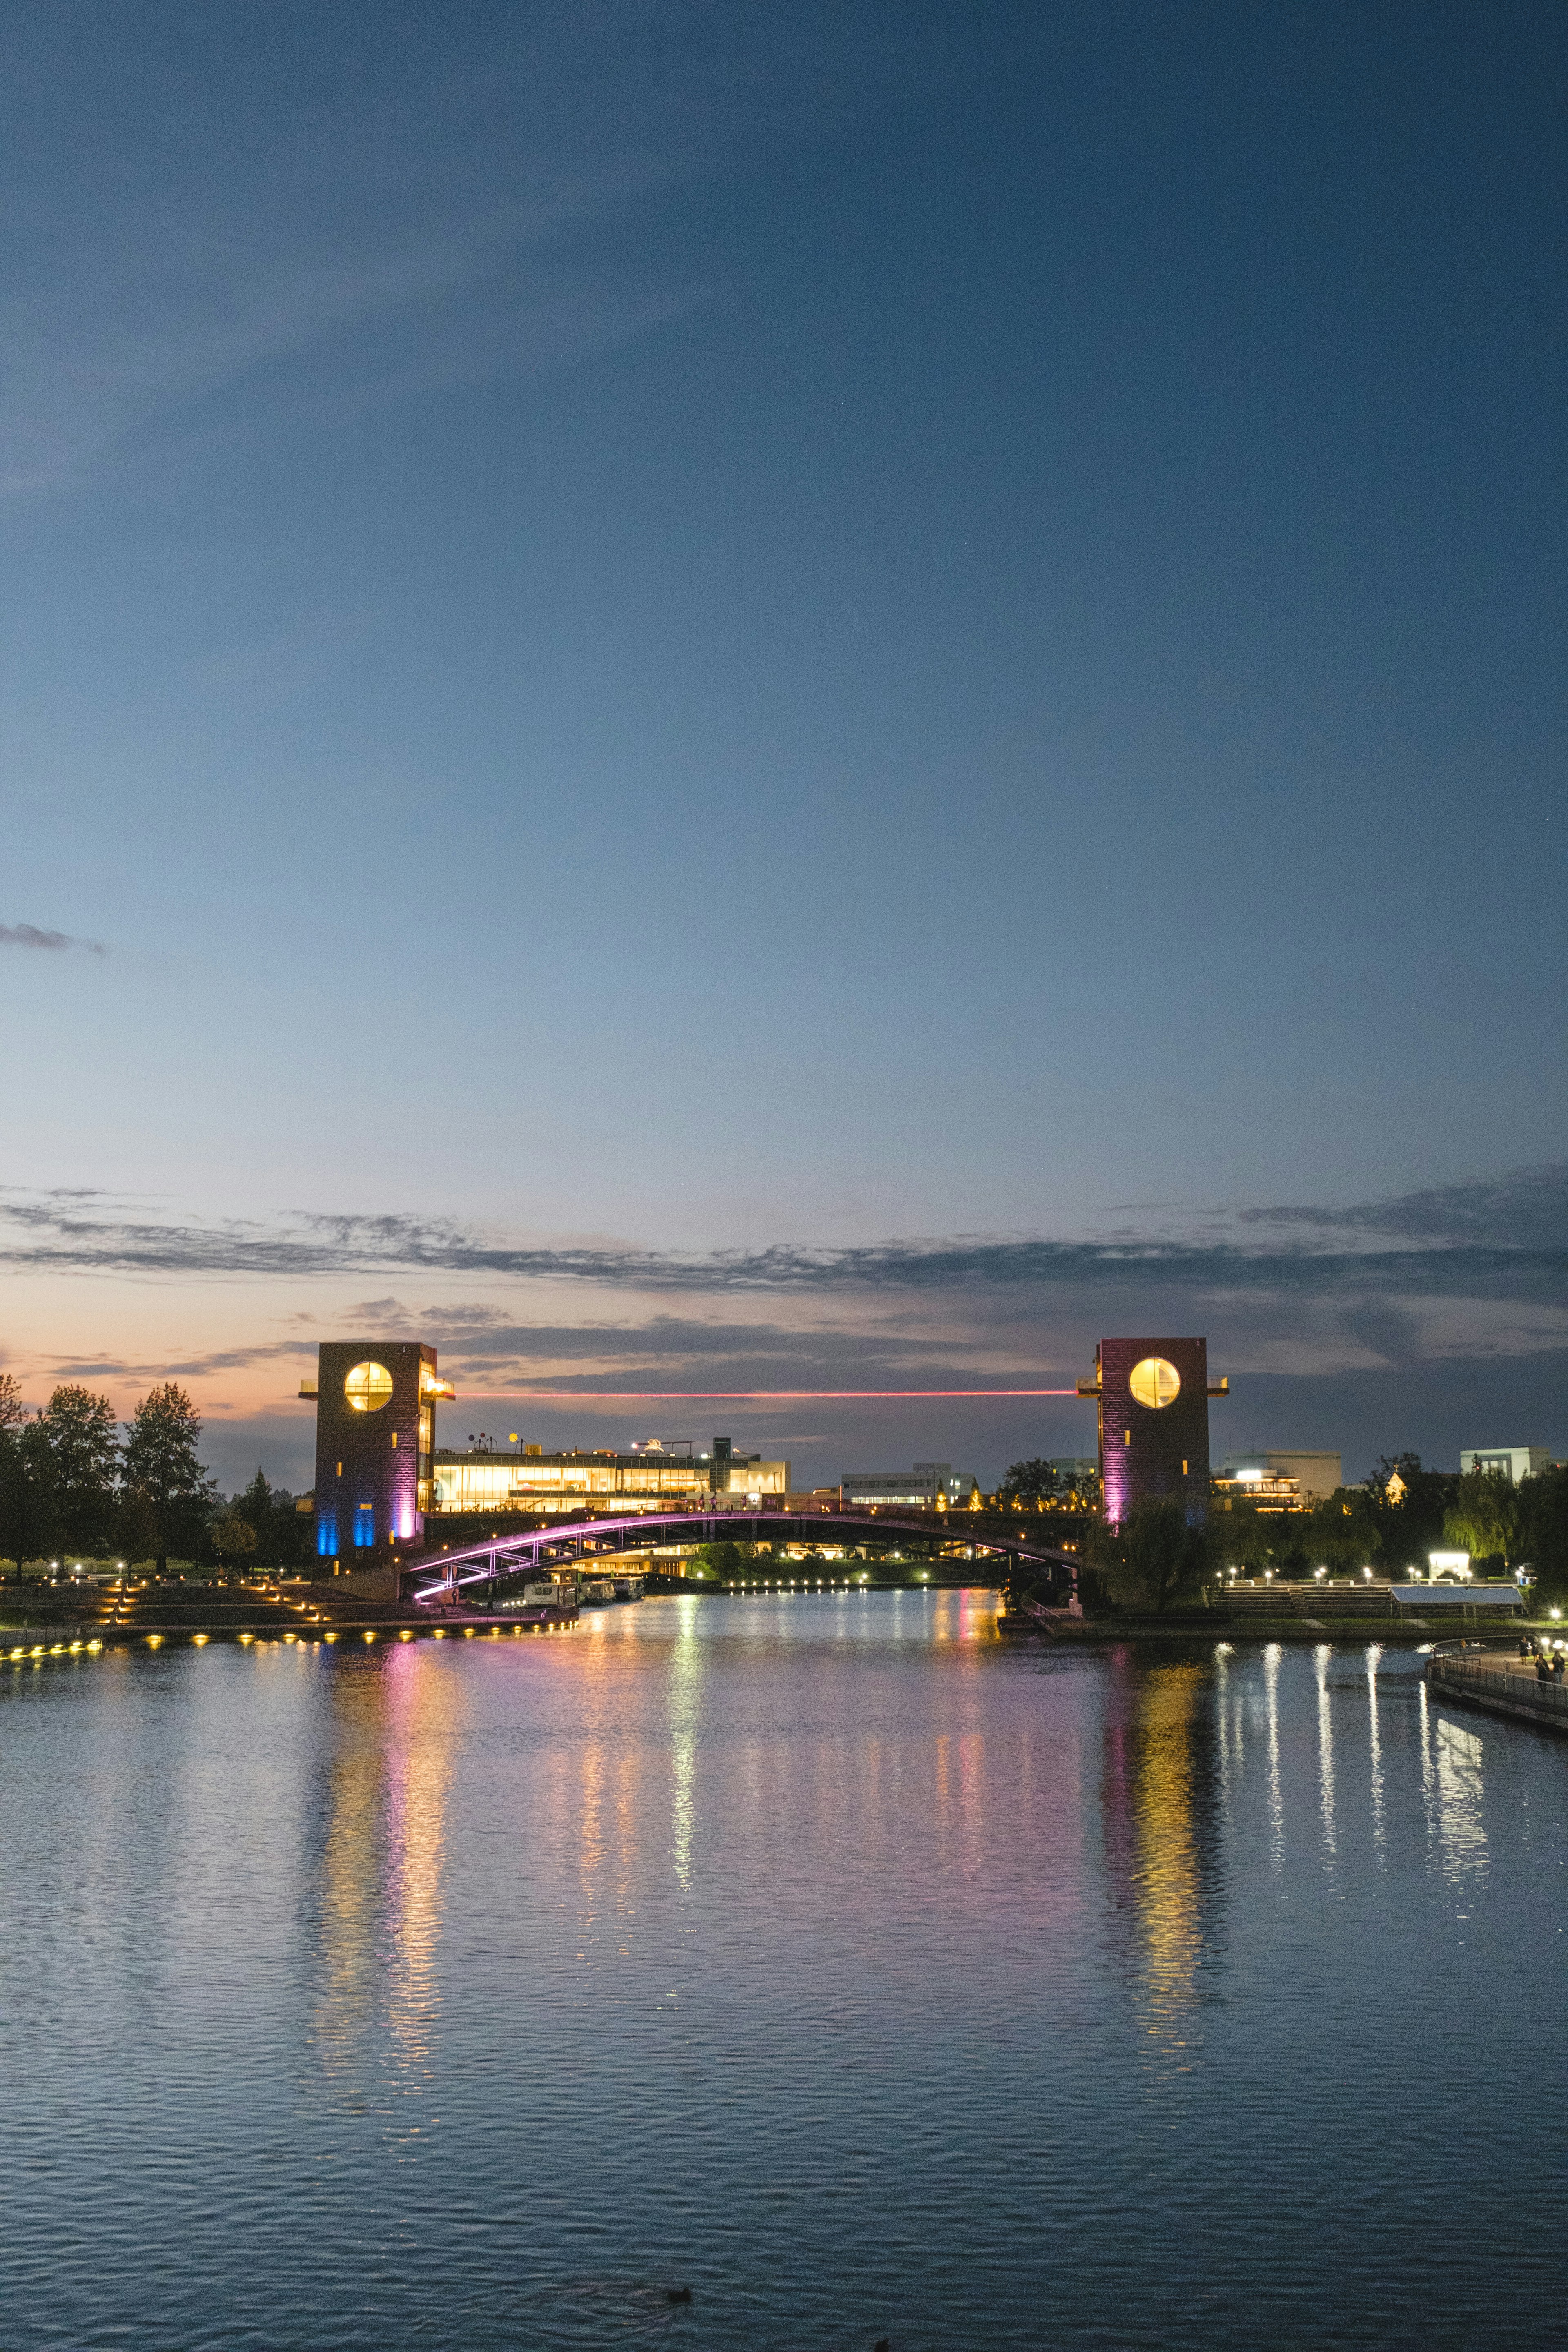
{"x":1504,"y":1683}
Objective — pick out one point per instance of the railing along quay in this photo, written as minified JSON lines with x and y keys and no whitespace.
{"x":1507,"y":1690}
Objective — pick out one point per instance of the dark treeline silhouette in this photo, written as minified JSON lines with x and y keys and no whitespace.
{"x":74,"y":1487}
{"x":1389,"y":1524}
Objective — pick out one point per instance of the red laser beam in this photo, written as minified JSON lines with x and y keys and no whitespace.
{"x":753,"y":1396}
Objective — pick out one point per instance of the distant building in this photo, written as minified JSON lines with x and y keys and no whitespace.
{"x":748,"y":1474}
{"x":1515,"y":1462}
{"x":1078,"y":1471}
{"x":1261,"y":1488}
{"x":730,"y":1473}
{"x":1316,"y":1475}
{"x":927,"y":1484}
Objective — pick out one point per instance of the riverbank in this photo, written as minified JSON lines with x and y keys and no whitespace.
{"x":1217,"y":1625}
{"x":1502,"y":1685}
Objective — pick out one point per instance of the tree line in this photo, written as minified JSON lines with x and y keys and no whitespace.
{"x":75,"y":1485}
{"x":1389,"y":1524}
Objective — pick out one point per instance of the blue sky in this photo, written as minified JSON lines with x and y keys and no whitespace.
{"x":658,"y":640}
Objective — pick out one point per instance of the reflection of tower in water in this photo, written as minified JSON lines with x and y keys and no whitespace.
{"x":350,"y":1914}
{"x":424,"y":1709}
{"x":395,"y":1725}
{"x":1157,"y":1808}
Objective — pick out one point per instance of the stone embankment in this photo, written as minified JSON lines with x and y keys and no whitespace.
{"x":1502,"y":1684}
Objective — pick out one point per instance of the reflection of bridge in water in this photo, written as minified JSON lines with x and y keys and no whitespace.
{"x":505,"y":1556}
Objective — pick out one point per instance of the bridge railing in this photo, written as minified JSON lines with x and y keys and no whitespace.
{"x":514,"y":1553}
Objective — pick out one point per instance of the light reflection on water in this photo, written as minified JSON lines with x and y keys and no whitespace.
{"x":872,"y":1975}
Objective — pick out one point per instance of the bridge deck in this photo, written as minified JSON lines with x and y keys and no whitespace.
{"x":535,"y":1547}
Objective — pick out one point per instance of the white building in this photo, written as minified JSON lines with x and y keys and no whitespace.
{"x":1515,"y":1462}
{"x":926,"y":1484}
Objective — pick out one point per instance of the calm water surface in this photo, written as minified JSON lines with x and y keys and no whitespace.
{"x":824,"y":1955}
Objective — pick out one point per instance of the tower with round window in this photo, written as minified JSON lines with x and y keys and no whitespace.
{"x":1153,"y":1400}
{"x":375,"y":1437}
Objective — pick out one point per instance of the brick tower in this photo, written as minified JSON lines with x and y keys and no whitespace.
{"x":1153,"y":1399}
{"x":375,"y":1434}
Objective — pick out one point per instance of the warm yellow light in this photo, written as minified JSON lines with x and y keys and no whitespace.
{"x":197,"y":1640}
{"x":368,"y":1387}
{"x":153,"y":1640}
{"x":248,"y":1637}
{"x":405,"y":1635}
{"x":329,"y":1637}
{"x":367,"y":1636}
{"x":1154,"y":1381}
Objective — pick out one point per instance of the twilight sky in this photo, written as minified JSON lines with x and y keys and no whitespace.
{"x":784,"y":696}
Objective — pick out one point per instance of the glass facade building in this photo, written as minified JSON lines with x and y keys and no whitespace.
{"x":644,"y":1481}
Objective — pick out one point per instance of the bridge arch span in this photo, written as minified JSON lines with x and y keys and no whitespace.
{"x":444,"y":1577}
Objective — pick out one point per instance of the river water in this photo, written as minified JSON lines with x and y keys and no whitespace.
{"x":826,"y":1956}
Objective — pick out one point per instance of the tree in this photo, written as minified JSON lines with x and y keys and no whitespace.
{"x":1153,"y":1558}
{"x":231,"y":1535}
{"x":1542,"y":1540}
{"x":1484,"y":1515}
{"x":1241,"y":1536}
{"x":1340,"y":1533}
{"x":1407,"y":1505}
{"x":162,"y":1469}
{"x":14,"y":1487}
{"x":72,"y":1451}
{"x":1029,"y":1483}
{"x":725,"y":1559}
{"x":257,"y":1505}
{"x":1392,"y":1479}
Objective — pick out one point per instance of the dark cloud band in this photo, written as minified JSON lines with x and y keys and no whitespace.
{"x":1501,"y":1241}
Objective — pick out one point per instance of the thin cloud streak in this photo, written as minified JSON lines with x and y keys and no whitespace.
{"x":29,"y":935}
{"x":150,"y":310}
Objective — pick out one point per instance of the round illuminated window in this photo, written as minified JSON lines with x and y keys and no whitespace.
{"x":368,"y":1387}
{"x":1154,"y":1381}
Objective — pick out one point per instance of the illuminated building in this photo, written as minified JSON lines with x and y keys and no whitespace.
{"x":1262,"y":1488}
{"x":376,"y":1431}
{"x":646,"y":1480}
{"x":730,"y":1473}
{"x":1314,"y":1476}
{"x":1153,"y":1400}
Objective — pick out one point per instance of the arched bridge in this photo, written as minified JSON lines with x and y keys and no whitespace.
{"x":605,"y":1540}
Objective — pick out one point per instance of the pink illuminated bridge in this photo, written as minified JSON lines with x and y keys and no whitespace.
{"x":593,"y":1538}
